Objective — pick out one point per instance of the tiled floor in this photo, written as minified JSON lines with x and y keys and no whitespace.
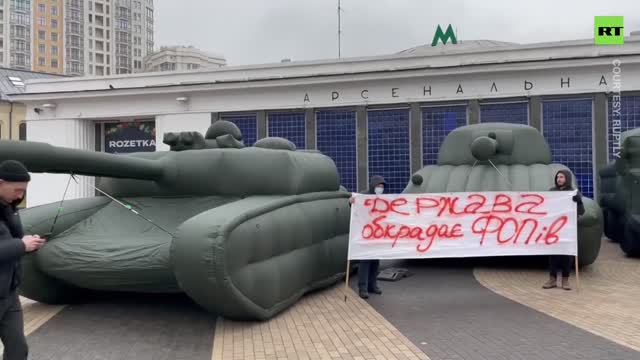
{"x":608,"y":303}
{"x":446,"y":310}
{"x":321,"y":326}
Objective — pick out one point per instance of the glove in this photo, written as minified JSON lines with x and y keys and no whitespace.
{"x":576,"y":198}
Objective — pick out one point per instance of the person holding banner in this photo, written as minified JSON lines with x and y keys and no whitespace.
{"x":368,"y":269}
{"x":562,"y":263}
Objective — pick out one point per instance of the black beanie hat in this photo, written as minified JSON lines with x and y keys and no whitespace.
{"x":14,"y":171}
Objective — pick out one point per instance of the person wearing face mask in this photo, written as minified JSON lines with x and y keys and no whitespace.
{"x":13,"y":245}
{"x":368,"y":269}
{"x":562,"y":263}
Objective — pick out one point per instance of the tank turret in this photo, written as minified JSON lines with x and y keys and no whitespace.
{"x":213,"y":171}
{"x":503,"y":157}
{"x":221,"y":134}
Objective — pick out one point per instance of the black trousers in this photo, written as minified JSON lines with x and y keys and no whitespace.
{"x":560,"y":263}
{"x":368,"y":274}
{"x":12,"y":328}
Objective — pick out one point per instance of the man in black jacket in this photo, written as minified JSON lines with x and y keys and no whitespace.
{"x":13,"y":245}
{"x":562,"y":262}
{"x":368,"y":269}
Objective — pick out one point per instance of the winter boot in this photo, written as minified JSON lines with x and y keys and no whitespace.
{"x":565,"y":283}
{"x":364,"y":294}
{"x":553,"y":282}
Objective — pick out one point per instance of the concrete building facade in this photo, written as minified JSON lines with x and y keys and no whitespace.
{"x":381,"y":115}
{"x":181,"y":58}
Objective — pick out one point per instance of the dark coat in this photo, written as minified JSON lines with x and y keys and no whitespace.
{"x":568,"y":186}
{"x":11,"y":248}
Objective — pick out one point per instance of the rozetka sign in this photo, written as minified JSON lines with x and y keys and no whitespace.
{"x":128,"y":137}
{"x":463,"y":225}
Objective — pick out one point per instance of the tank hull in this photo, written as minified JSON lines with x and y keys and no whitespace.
{"x":241,"y":258}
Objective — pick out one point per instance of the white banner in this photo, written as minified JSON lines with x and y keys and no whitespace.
{"x":466,"y":224}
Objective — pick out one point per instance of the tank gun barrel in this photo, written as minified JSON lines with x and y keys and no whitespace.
{"x":46,"y":158}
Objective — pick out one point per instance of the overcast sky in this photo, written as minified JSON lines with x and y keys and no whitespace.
{"x":262,"y":31}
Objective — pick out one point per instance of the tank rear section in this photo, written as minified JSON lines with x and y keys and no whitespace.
{"x":623,"y":208}
{"x":253,"y":258}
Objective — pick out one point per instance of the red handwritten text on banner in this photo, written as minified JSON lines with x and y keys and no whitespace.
{"x":462,"y":224}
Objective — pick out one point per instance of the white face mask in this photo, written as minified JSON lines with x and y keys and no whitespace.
{"x":379,"y":190}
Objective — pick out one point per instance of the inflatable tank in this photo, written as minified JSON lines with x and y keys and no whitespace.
{"x":620,"y":186}
{"x":243,"y":231}
{"x":523,"y":159}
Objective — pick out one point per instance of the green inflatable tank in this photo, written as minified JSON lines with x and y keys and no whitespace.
{"x":243,"y":231}
{"x":620,"y":186}
{"x":523,"y":159}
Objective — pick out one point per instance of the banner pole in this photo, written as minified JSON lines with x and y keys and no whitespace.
{"x":577,"y":275}
{"x":346,"y":282}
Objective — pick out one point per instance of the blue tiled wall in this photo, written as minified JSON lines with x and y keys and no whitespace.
{"x":336,"y":138}
{"x":437,"y":123}
{"x":248,"y":124}
{"x":389,"y":154}
{"x":567,"y":126}
{"x":629,"y":119}
{"x":513,"y":113}
{"x":288,"y":125}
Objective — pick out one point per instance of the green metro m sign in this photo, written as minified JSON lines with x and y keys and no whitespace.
{"x":444,"y":36}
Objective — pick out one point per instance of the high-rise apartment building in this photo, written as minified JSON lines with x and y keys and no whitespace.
{"x":119,"y":33}
{"x":17,"y":34}
{"x":47,"y":45}
{"x":76,"y":37}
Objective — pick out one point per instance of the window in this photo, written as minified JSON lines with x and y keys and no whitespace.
{"x":122,"y":24}
{"x":42,"y":35}
{"x":54,"y":50}
{"x":18,"y":31}
{"x":54,"y":63}
{"x":20,"y":19}
{"x":41,"y":8}
{"x":54,"y":24}
{"x":41,"y":21}
{"x":54,"y":36}
{"x":74,"y":15}
{"x":41,"y":49}
{"x":74,"y":28}
{"x":54,"y":10}
{"x":41,"y":61}
{"x":22,"y":131}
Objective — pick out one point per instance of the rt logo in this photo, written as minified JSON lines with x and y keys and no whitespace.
{"x":609,"y":30}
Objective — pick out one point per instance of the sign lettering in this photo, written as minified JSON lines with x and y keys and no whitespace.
{"x":609,"y":30}
{"x":463,"y":225}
